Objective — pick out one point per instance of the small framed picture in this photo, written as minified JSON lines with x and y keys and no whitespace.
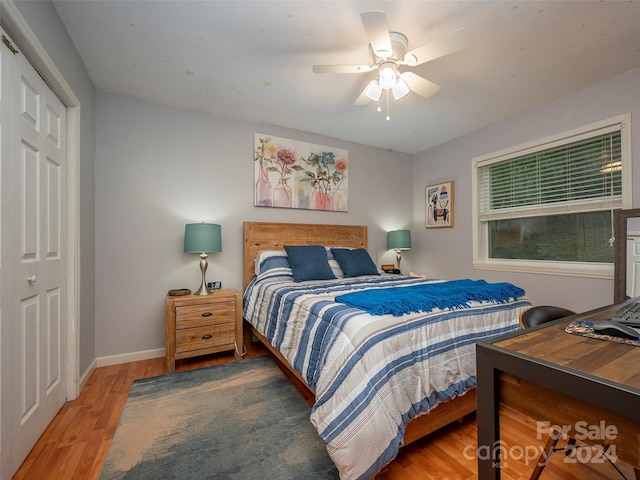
{"x":439,"y":205}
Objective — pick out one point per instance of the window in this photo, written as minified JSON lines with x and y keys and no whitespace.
{"x":547,"y":207}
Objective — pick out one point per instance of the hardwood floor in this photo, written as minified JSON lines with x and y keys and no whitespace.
{"x":76,"y":443}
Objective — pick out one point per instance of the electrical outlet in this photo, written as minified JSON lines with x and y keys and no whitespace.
{"x":214,"y":285}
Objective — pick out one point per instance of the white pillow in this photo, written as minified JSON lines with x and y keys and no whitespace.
{"x":269,"y":259}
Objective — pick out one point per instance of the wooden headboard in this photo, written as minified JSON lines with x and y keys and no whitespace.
{"x":274,"y":236}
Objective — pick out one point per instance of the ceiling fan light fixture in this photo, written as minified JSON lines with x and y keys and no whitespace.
{"x":610,"y":167}
{"x":389,"y":50}
{"x":373,"y":90}
{"x":388,"y":77}
{"x":400,"y":89}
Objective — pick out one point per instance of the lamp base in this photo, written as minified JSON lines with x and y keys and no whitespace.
{"x":203,"y":290}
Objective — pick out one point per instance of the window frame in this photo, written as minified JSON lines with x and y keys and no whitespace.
{"x":481,"y":259}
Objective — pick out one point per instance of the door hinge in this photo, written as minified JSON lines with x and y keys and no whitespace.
{"x":9,"y":45}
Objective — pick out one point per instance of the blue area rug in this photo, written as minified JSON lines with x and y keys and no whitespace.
{"x":241,"y":420}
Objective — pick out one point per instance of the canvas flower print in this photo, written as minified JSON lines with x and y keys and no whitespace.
{"x":293,"y":174}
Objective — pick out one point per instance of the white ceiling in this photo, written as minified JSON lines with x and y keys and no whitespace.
{"x":251,"y":60}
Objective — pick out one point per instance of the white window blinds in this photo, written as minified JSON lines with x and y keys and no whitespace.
{"x":576,"y":174}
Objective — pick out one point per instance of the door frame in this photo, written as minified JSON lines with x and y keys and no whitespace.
{"x":632,"y":240}
{"x":14,"y":24}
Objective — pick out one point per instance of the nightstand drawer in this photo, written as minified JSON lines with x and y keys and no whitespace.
{"x":191,"y":339}
{"x":190,"y":316}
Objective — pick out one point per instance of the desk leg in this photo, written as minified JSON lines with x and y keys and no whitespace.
{"x":488,"y":417}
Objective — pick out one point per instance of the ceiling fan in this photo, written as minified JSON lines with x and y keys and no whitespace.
{"x":389,"y":52}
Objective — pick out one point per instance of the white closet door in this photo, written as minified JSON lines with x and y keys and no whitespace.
{"x":33,"y":276}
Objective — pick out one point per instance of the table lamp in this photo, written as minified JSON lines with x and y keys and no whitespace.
{"x":399,"y":240}
{"x":202,"y":238}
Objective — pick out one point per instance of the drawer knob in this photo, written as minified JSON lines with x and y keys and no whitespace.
{"x":207,"y":336}
{"x":207,"y":314}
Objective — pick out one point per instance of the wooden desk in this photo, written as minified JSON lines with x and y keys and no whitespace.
{"x":564,"y":379}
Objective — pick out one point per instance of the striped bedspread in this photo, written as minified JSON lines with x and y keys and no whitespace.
{"x":371,"y":374}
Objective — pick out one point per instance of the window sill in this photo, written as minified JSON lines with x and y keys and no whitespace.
{"x":586,"y":270}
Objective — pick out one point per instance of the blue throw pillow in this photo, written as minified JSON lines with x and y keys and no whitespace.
{"x":354,"y":262}
{"x":309,"y":262}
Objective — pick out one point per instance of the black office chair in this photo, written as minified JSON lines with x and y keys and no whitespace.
{"x":533,"y":317}
{"x":540,"y":314}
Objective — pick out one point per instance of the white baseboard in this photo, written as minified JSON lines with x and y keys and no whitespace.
{"x":129,"y":357}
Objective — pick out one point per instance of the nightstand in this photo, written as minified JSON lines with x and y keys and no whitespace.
{"x":203,"y":324}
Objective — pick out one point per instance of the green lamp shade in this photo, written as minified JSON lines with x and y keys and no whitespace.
{"x":399,"y":240}
{"x":202,"y":237}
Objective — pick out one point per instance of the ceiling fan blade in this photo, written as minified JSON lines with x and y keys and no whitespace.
{"x":375,"y":24}
{"x":419,"y":85}
{"x":342,"y":68}
{"x":450,"y":43}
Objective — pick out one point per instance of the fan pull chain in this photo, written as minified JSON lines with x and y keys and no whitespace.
{"x":388,"y":117}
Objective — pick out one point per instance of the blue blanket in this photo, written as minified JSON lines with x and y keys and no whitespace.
{"x":426,"y":297}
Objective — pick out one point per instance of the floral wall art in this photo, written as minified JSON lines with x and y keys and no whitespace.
{"x":292,"y":174}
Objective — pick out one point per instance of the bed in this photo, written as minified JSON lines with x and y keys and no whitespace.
{"x":368,"y":400}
